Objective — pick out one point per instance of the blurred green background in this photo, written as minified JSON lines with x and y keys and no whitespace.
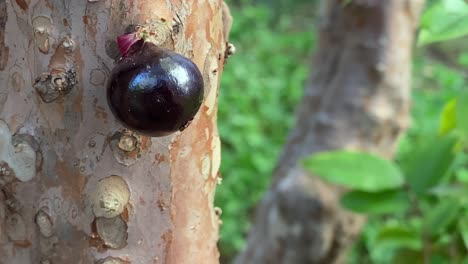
{"x":260,"y":88}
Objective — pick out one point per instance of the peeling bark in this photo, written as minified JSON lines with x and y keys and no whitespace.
{"x":55,"y":61}
{"x":357,"y":98}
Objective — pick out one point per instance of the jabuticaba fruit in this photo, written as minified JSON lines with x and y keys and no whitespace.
{"x":154,"y":91}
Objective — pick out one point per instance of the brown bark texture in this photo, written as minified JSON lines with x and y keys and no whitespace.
{"x":75,"y":187}
{"x":357,"y":98}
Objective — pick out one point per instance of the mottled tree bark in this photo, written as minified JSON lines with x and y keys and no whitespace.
{"x":357,"y":98}
{"x":74,"y":186}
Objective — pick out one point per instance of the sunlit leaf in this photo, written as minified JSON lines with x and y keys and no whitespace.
{"x":444,"y":20}
{"x":448,"y":118}
{"x":462,"y":175}
{"x":356,"y":170}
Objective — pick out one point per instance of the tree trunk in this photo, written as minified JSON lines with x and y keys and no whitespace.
{"x":75,"y":186}
{"x":357,"y":98}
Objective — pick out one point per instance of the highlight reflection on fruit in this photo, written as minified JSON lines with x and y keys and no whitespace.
{"x":152,"y":90}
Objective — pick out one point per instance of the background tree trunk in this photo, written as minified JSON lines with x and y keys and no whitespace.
{"x":357,"y":98}
{"x":59,"y":143}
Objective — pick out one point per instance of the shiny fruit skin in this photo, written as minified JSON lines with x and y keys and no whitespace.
{"x":154,"y":91}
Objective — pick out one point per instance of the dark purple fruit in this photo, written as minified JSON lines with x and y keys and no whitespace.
{"x":154,"y":91}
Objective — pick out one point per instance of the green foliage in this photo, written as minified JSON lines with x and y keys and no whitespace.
{"x":398,"y":236}
{"x":441,"y":216}
{"x":430,"y":163}
{"x":260,"y":86}
{"x":438,"y":199}
{"x":359,"y":171}
{"x":448,"y":120}
{"x":390,"y":201}
{"x":433,"y":227}
{"x":434,"y":224}
{"x":463,"y":227}
{"x":444,"y":20}
{"x":407,"y":256}
{"x":454,"y":115}
{"x":461,"y":113}
{"x":426,"y":210}
{"x":424,"y":218}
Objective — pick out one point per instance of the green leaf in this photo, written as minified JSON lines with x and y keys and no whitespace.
{"x":462,"y":175}
{"x":397,"y":236}
{"x":356,"y":170}
{"x":441,"y":216}
{"x":459,"y":192}
{"x":463,"y":228}
{"x":429,"y":165}
{"x":461,"y":111}
{"x":439,"y":258}
{"x":448,"y":118}
{"x":392,"y":201}
{"x":463,"y":59}
{"x":444,"y":20}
